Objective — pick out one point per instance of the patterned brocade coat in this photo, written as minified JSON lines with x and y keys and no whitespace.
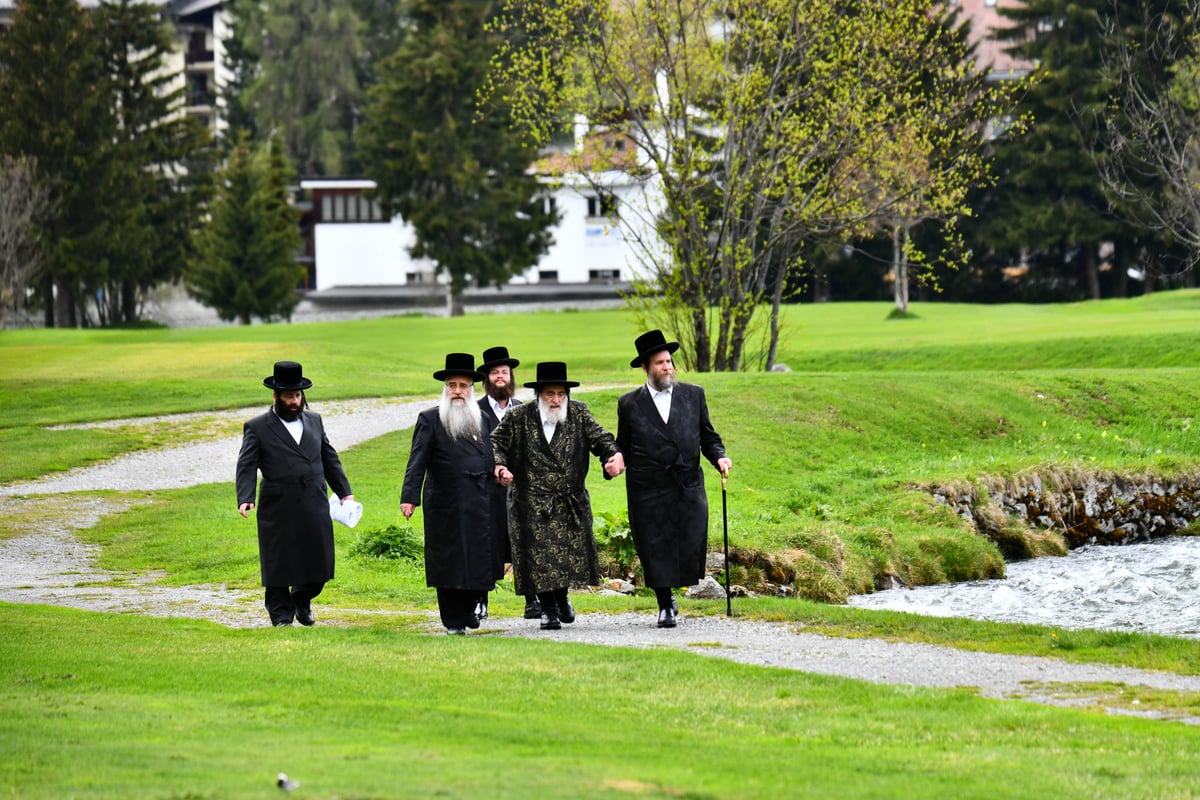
{"x":549,"y":508}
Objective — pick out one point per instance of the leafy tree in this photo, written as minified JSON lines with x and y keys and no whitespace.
{"x":456,"y":173}
{"x":761,"y":124}
{"x":55,"y":108}
{"x":297,"y":68}
{"x":245,"y":265}
{"x":23,"y":203}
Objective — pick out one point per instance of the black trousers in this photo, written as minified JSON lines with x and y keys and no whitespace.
{"x":282,"y":601}
{"x":457,"y":607}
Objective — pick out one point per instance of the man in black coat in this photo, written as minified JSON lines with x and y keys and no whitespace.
{"x":295,"y":533}
{"x":450,"y":473}
{"x":662,"y":430}
{"x":499,"y":386}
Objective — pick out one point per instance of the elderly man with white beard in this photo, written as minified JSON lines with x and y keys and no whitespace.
{"x":450,"y":473}
{"x":542,"y":450}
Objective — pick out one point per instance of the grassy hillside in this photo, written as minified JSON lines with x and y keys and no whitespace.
{"x":833,"y":460}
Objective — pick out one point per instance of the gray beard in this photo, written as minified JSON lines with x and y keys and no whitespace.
{"x":557,"y":417}
{"x":662,"y":384}
{"x":460,"y":421}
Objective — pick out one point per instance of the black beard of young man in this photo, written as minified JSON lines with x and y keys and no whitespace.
{"x":500,"y":393}
{"x":286,"y":414}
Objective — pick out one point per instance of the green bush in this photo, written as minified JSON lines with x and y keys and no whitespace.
{"x":392,"y":543}
{"x":614,"y":542}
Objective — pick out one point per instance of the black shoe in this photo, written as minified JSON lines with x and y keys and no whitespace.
{"x":456,"y":631}
{"x":305,"y":617}
{"x":550,"y":622}
{"x":666,"y":618}
{"x":473,"y":621}
{"x":533,"y":609}
{"x":566,"y":611}
{"x":282,"y":623}
{"x":481,"y":611}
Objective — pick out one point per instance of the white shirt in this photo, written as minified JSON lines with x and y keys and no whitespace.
{"x":295,"y":427}
{"x":496,"y":409}
{"x":548,"y":428}
{"x":662,"y":401}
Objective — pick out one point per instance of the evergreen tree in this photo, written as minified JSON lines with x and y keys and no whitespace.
{"x":297,"y":77}
{"x":1050,"y":203}
{"x":456,"y":174}
{"x":55,"y":108}
{"x":159,"y":166}
{"x":245,"y":265}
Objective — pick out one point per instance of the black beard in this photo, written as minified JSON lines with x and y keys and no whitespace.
{"x":285,"y":413}
{"x":500,"y":393}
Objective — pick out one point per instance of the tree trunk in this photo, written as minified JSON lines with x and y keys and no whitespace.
{"x":1093,"y":272}
{"x":64,"y":305}
{"x":899,"y":271}
{"x":48,"y":314}
{"x":129,"y":309}
{"x":454,"y":302}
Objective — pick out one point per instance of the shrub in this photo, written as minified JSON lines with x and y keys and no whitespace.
{"x":614,"y":543}
{"x":393,"y":543}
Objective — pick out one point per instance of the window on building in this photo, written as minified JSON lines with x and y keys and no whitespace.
{"x":548,"y":276}
{"x":347,"y":206}
{"x":604,"y":275}
{"x":602,"y":205}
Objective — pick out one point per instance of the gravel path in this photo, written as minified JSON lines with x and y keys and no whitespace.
{"x":49,"y":565}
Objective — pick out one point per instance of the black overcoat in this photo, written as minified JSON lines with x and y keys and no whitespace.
{"x":451,"y":479}
{"x":295,"y":533}
{"x":664,"y":483}
{"x":549,"y":508}
{"x":499,"y":493}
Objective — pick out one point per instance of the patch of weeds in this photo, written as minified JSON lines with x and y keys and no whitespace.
{"x":614,"y":543}
{"x":392,"y":543}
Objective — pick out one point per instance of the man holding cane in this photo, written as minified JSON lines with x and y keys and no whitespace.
{"x":662,"y":430}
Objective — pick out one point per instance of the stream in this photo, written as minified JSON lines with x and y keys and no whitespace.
{"x":1145,"y":588}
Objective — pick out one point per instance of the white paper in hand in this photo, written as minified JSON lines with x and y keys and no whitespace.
{"x":346,"y":513}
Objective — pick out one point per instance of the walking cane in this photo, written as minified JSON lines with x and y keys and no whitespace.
{"x":725,"y":524}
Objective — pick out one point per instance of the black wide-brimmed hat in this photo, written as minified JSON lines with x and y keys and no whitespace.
{"x":650,"y":343}
{"x":497,"y":357}
{"x":551,"y":373}
{"x":288,"y":377}
{"x":458,"y":364}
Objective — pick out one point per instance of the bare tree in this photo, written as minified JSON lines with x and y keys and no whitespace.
{"x":1150,"y":129}
{"x":22,"y":202}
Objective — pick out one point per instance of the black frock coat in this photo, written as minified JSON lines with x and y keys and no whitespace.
{"x":549,"y":508}
{"x":295,"y":533}
{"x":664,"y":482}
{"x":499,"y":493}
{"x":451,"y":479}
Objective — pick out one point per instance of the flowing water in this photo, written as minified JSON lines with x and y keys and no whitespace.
{"x":1147,"y":588}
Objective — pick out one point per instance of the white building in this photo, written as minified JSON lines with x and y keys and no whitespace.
{"x":595,"y":241}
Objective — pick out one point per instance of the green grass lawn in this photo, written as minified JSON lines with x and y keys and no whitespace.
{"x":833,"y":462}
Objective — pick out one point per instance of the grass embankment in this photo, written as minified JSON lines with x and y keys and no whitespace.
{"x":830,"y":461}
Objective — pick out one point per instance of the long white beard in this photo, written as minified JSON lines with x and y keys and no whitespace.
{"x":558,"y":416}
{"x":461,"y":420}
